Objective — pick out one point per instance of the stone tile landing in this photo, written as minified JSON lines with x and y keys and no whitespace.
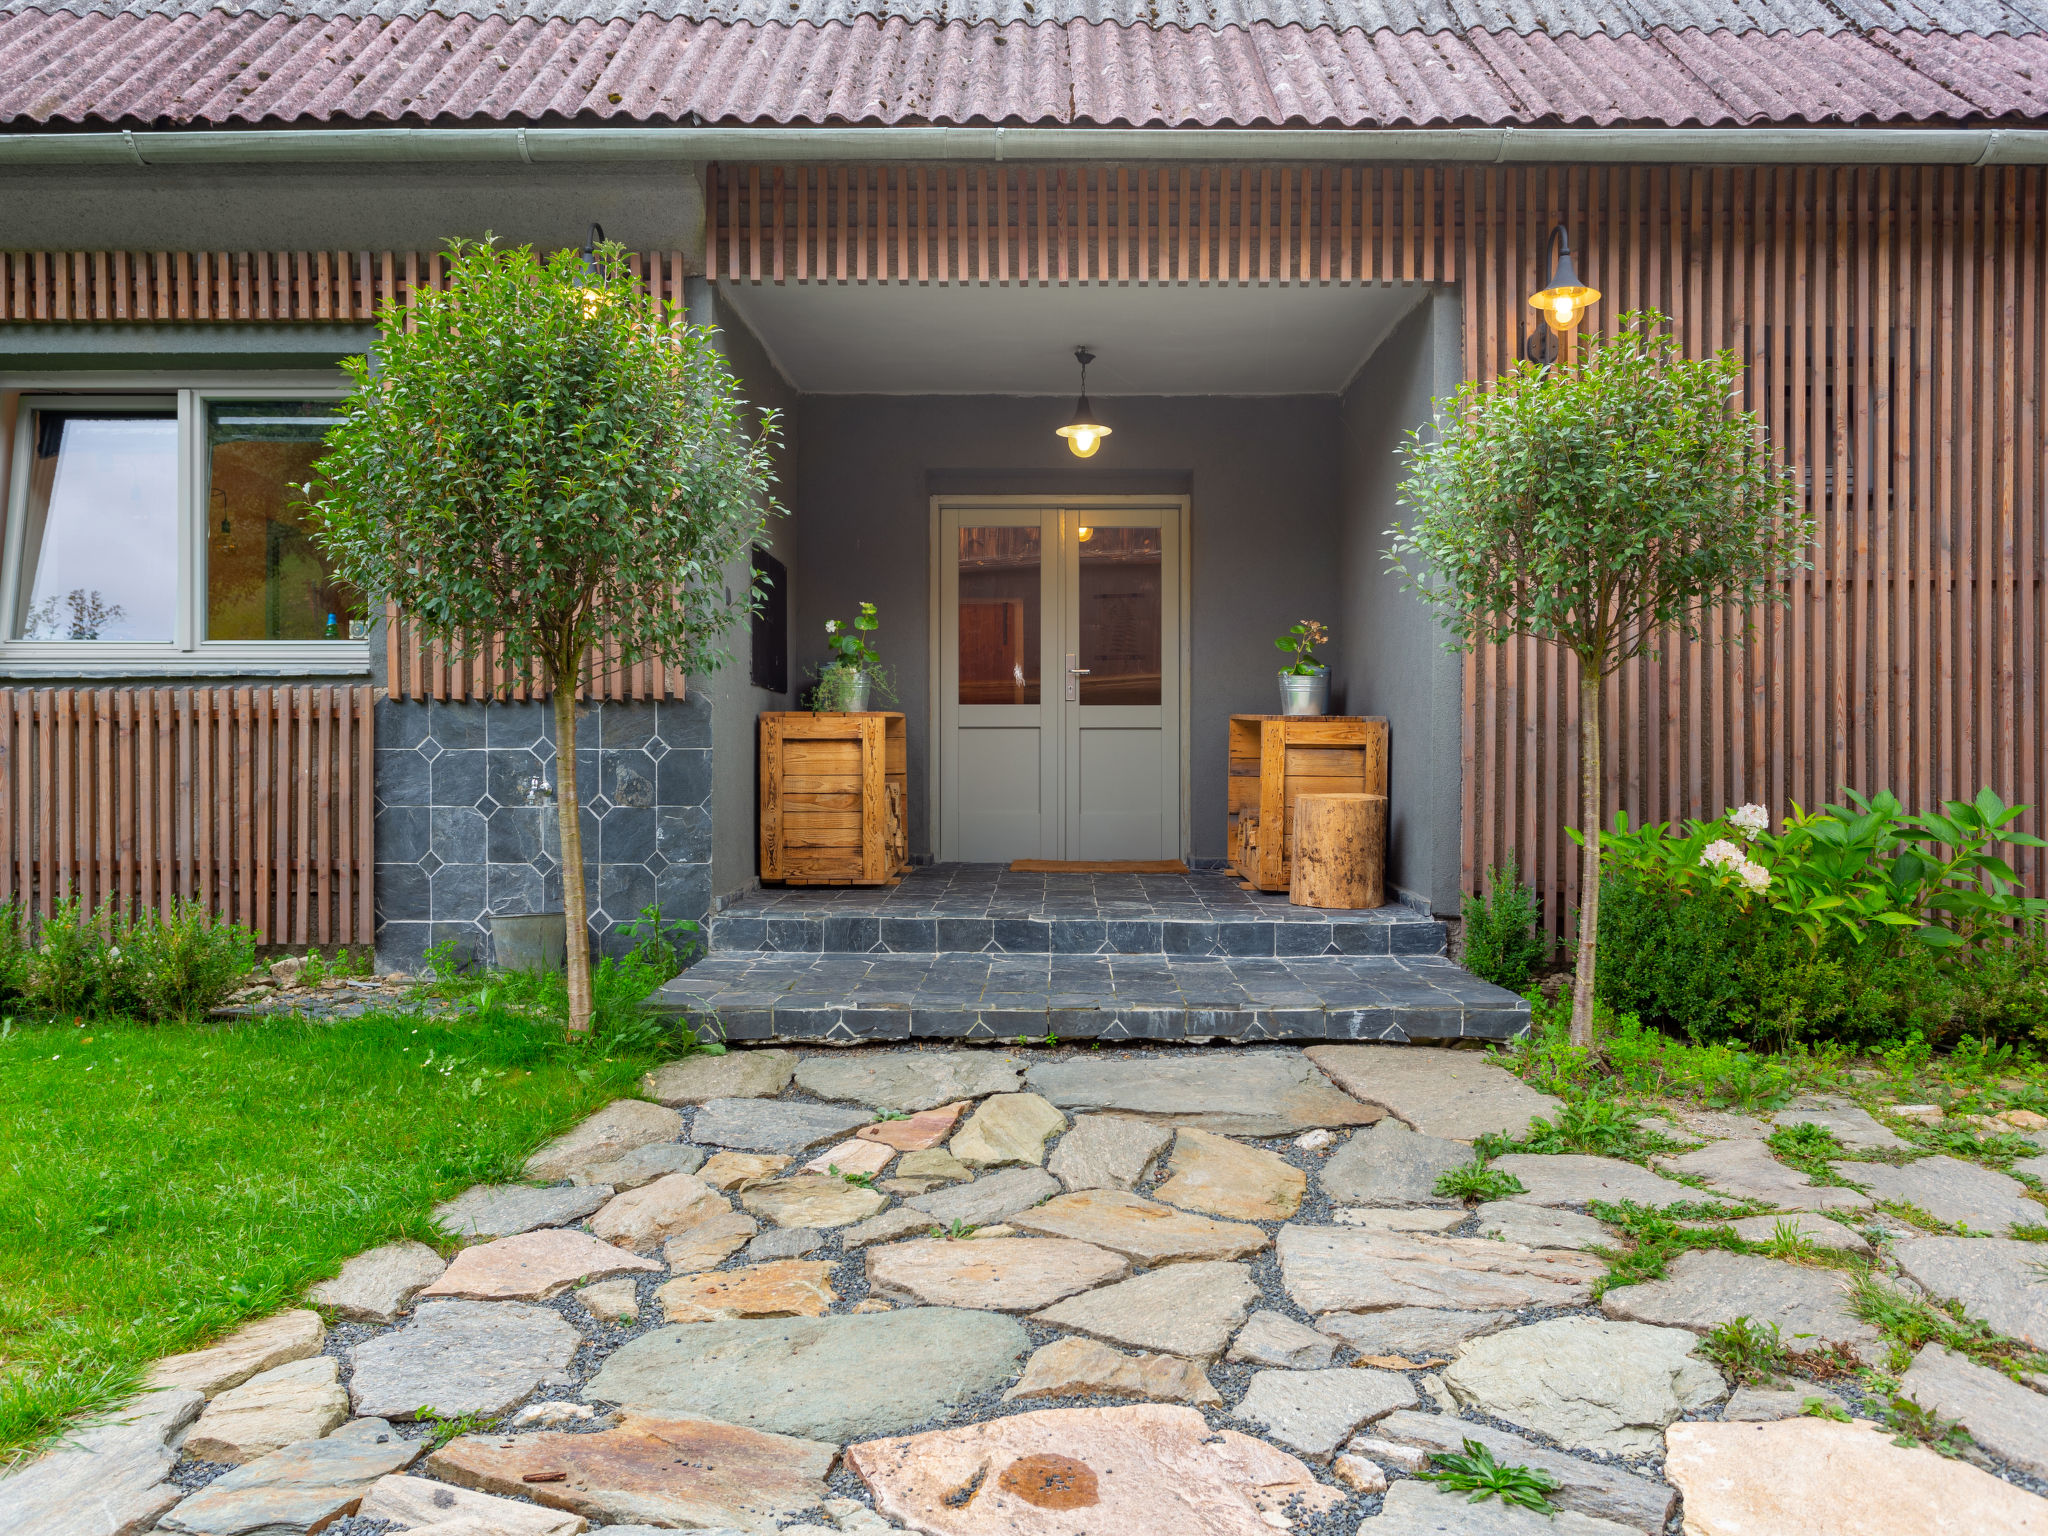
{"x":976,"y":952}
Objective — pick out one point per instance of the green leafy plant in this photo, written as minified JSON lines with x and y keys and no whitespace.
{"x":1821,"y":1408}
{"x":17,"y":956}
{"x":1909,"y":1323}
{"x":181,"y":966}
{"x":1807,"y":1147}
{"x":1503,"y":942}
{"x":955,"y":1230}
{"x":1607,"y":509}
{"x":1747,"y":1351}
{"x":659,"y":946}
{"x":848,"y":641}
{"x":1476,"y":1473}
{"x":1791,"y":1242}
{"x":1476,"y":1181}
{"x":1300,"y":642}
{"x":882,"y":1115}
{"x":1654,"y":1237}
{"x":540,"y":463}
{"x":440,"y":1430}
{"x":859,"y":1180}
{"x":1916,"y":1425}
{"x":1598,"y":1124}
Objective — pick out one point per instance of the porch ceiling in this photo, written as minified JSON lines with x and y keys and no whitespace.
{"x":1153,"y":340}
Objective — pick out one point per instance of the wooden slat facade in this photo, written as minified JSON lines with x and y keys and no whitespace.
{"x":418,"y":668}
{"x":1892,"y":318}
{"x":258,"y":801}
{"x":216,"y":286}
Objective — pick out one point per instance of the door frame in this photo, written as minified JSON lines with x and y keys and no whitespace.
{"x":1178,"y":509}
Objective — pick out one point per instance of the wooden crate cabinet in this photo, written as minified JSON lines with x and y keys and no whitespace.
{"x":1274,"y":760}
{"x":835,"y":803}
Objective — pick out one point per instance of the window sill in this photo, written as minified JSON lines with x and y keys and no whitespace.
{"x":89,"y":659}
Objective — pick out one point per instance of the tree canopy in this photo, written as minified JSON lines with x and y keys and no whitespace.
{"x":538,"y":460}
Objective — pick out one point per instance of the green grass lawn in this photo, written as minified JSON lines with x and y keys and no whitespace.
{"x":160,"y":1184}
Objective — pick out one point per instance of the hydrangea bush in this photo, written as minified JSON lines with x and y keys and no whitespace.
{"x":1858,"y":922}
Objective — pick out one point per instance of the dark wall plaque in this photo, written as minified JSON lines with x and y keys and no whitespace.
{"x":771,"y":624}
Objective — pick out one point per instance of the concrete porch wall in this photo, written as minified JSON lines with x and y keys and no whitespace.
{"x":1391,"y":661}
{"x":1262,"y":474}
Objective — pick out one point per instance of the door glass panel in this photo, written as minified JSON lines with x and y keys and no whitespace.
{"x":1120,"y":603}
{"x":265,"y":577}
{"x":999,"y":603}
{"x":101,"y":543}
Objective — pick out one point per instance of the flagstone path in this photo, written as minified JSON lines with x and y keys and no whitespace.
{"x":1136,"y":1292}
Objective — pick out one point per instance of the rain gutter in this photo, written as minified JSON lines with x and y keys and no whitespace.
{"x":583,"y":146}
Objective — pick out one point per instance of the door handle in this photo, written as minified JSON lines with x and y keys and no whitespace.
{"x":1073,"y":672}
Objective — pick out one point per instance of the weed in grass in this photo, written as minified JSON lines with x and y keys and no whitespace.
{"x":1909,"y":1323}
{"x":1811,"y":1149}
{"x":2029,"y":1232}
{"x":1789,"y":1241}
{"x":1476,"y":1473}
{"x":1476,"y":1181}
{"x":1916,"y":1425}
{"x":1997,"y":1150}
{"x":441,"y":1430}
{"x":1655,"y":1238}
{"x":1589,"y":1123}
{"x":1747,"y":1351}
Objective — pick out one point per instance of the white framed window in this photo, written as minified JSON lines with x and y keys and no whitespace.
{"x":153,"y":527}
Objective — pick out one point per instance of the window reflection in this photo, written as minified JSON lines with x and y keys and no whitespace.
{"x":1121,"y":642}
{"x":265,"y":577}
{"x":999,"y":610}
{"x":100,"y":549}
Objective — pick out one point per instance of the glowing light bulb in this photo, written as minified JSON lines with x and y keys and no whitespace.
{"x":1084,"y":442}
{"x":1563,"y":308}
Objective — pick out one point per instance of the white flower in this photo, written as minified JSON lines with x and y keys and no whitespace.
{"x":1721,"y":854}
{"x":1750,"y":820}
{"x":831,"y":626}
{"x":1753,"y":875}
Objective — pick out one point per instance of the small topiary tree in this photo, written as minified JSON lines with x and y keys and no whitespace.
{"x":1602,"y":508}
{"x":539,"y":462}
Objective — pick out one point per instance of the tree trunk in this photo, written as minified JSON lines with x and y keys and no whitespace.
{"x":569,"y":811}
{"x":1589,"y":857}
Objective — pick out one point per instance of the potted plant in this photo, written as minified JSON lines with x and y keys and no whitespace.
{"x":854,"y":668}
{"x":1304,"y":685}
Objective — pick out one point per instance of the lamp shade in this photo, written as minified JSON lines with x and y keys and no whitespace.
{"x":1084,"y":434}
{"x":1564,"y":299}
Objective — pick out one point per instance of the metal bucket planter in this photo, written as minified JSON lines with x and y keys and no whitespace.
{"x":537,"y":941}
{"x":1305,"y":695}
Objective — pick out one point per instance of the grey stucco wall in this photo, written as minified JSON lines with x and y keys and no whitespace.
{"x":1392,"y":662}
{"x":378,"y":207}
{"x":1261,"y":474}
{"x":734,"y":701}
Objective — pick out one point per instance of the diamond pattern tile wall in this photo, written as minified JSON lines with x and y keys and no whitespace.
{"x":466,"y":822}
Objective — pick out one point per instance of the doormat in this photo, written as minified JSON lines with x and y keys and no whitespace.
{"x":1098,"y":867}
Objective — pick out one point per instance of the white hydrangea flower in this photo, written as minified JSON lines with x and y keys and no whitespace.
{"x":1754,"y":875}
{"x":1721,"y":854}
{"x":1749,"y":820}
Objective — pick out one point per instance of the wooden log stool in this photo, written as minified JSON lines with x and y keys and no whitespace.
{"x":1340,"y":851}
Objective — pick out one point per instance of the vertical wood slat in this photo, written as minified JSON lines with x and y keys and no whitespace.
{"x":256,"y":802}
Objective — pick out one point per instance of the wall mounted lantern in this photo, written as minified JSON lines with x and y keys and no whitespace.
{"x":1563,"y":301}
{"x":1084,"y":434}
{"x":593,"y":277}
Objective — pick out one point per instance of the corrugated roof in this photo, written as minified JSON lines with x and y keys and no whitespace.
{"x":252,"y":70}
{"x":198,"y":65}
{"x":1554,"y":18}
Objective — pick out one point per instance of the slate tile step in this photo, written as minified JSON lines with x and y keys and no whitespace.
{"x":766,"y":995}
{"x":988,"y":909}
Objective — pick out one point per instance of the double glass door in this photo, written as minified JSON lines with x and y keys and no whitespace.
{"x":1059,"y":681}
